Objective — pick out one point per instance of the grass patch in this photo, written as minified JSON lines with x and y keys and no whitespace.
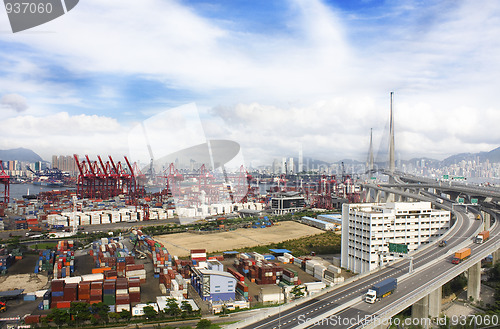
{"x":323,"y":243}
{"x":43,"y":245}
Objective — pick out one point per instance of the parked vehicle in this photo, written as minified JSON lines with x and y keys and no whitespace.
{"x":461,"y":255}
{"x":482,"y":236}
{"x":380,"y":290}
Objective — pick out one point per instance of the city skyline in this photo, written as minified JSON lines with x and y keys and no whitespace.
{"x":276,"y":78}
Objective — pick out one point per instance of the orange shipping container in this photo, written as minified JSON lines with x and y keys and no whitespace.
{"x":63,"y":304}
{"x":462,"y":253}
{"x":100,"y":270}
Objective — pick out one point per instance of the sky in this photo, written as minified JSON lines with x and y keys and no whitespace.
{"x":272,"y":76}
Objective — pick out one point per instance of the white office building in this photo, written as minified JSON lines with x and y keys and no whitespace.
{"x":368,"y":228}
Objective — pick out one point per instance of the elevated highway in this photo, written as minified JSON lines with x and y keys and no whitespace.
{"x":344,"y":307}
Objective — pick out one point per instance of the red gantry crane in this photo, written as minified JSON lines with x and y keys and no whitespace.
{"x":99,"y":180}
{"x":5,"y":181}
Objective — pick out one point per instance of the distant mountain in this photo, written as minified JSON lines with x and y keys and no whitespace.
{"x":491,"y":156}
{"x":350,"y":162}
{"x":20,"y":154}
{"x":428,"y":162}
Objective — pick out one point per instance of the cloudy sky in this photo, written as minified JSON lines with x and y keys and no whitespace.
{"x":272,"y":76}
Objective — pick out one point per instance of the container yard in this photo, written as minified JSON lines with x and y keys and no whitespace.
{"x":127,"y":272}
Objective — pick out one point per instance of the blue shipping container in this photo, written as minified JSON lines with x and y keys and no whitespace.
{"x":29,"y":297}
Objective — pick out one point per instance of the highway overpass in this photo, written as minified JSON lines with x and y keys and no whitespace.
{"x":343,"y":306}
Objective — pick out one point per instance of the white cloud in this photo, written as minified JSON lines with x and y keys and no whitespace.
{"x":14,"y":102}
{"x":323,"y":83}
{"x":62,"y":133}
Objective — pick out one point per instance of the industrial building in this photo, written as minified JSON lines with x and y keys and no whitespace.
{"x":321,"y":224}
{"x":332,"y":218}
{"x":368,"y":228}
{"x":213,"y":285}
{"x":287,"y":202}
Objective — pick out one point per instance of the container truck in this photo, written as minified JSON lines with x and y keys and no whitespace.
{"x":380,"y":290}
{"x":482,"y":236}
{"x":461,"y":255}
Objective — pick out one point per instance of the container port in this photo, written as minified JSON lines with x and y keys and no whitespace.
{"x":128,"y":271}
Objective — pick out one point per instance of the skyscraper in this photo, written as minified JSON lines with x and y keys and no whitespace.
{"x":300,"y":167}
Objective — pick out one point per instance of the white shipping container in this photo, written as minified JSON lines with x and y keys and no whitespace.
{"x":176,"y":295}
{"x":334,"y":269}
{"x":122,"y":307}
{"x":338,"y":280}
{"x":136,"y":273}
{"x":310,"y":263}
{"x":318,"y":275}
{"x":319,"y":267}
{"x":93,"y":277}
{"x":73,"y":279}
{"x":314,"y":286}
{"x":134,"y":289}
{"x":283,"y":259}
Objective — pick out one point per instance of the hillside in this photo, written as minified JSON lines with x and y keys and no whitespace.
{"x":20,"y":154}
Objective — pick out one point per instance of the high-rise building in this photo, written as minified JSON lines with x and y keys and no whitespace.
{"x":300,"y":167}
{"x":283,"y":166}
{"x":368,"y":228}
{"x":65,"y":163}
{"x":290,"y":166}
{"x":276,"y":167}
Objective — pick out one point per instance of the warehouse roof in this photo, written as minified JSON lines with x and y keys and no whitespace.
{"x":220,"y":273}
{"x":280,"y":251}
{"x":11,"y":293}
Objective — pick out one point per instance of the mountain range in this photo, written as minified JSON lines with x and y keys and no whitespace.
{"x":492,"y":156}
{"x":23,"y":154}
{"x":20,"y":154}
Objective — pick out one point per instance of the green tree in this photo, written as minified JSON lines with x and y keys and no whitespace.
{"x":114,"y":316}
{"x":102,"y":311}
{"x":94,"y":320}
{"x":59,"y":316}
{"x":80,"y":312}
{"x":298,"y":291}
{"x":494,"y":273}
{"x":172,"y":307}
{"x":186,"y":308}
{"x":150,"y":312}
{"x":204,"y":324}
{"x":126,"y":315}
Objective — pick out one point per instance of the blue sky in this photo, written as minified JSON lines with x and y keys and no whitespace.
{"x":271,"y":75}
